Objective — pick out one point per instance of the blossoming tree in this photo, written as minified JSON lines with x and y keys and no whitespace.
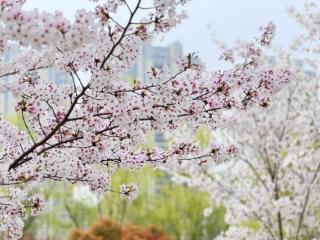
{"x":271,"y":189}
{"x":83,"y":131}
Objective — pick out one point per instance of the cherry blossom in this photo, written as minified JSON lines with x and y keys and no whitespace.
{"x":271,"y":187}
{"x":85,"y":130}
{"x":129,"y":191}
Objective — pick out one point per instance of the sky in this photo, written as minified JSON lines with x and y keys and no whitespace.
{"x":230,"y":20}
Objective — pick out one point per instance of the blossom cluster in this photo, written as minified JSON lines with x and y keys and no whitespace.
{"x":129,"y":191}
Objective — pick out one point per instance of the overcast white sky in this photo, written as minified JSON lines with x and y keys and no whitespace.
{"x":230,"y":20}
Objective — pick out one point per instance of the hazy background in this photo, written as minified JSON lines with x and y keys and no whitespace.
{"x":229,"y":20}
{"x":178,"y":209}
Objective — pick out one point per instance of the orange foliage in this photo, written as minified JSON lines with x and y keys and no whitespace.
{"x":26,"y":236}
{"x":111,"y":230}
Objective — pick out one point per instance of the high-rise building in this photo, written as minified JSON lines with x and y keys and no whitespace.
{"x":6,"y":98}
{"x":7,"y":101}
{"x":152,"y":56}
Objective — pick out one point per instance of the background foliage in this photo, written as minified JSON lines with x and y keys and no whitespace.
{"x":177,"y":209}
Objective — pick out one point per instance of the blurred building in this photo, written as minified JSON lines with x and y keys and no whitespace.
{"x":6,"y":98}
{"x":152,"y":56}
{"x":7,"y":101}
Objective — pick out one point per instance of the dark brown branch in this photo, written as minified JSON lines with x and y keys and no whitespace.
{"x":18,"y":71}
{"x":122,"y":35}
{"x":21,"y":159}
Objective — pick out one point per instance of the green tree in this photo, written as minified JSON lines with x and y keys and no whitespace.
{"x":176,"y":208}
